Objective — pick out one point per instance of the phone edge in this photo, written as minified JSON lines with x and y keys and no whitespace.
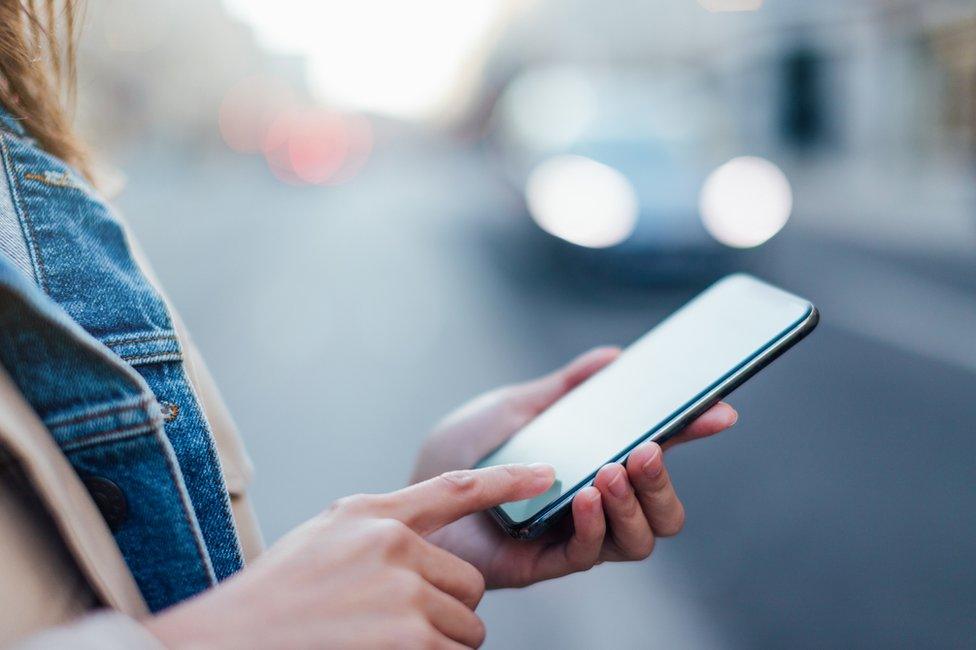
{"x":533,"y":528}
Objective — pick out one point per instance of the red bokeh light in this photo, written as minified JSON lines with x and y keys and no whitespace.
{"x":316,"y":146}
{"x":302,"y":144}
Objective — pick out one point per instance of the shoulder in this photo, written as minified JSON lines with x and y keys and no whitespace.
{"x":36,"y":188}
{"x":64,"y":234}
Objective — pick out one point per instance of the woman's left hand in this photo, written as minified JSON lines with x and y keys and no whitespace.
{"x":617,"y":519}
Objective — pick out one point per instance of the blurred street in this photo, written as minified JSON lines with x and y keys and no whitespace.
{"x":370,"y":212}
{"x":342,"y":322}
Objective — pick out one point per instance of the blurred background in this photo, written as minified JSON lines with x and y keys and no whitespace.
{"x":369,"y":211}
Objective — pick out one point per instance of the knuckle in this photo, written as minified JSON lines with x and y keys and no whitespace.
{"x":336,"y":506}
{"x":659,"y":483}
{"x":460,"y":483}
{"x":392,"y":529}
{"x":390,"y":536}
{"x":408,"y":588}
{"x":631,"y":509}
{"x":350,"y":505}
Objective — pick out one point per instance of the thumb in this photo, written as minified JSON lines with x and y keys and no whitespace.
{"x":434,"y":503}
{"x":540,"y":394}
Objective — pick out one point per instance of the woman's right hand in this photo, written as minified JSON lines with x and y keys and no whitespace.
{"x":360,"y":575}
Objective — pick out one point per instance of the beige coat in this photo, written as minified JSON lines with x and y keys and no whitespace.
{"x":59,"y":564}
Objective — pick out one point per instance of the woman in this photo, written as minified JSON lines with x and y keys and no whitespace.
{"x":123,"y":514}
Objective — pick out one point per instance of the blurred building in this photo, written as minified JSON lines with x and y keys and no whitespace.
{"x":954,"y":45}
{"x":154,"y":72}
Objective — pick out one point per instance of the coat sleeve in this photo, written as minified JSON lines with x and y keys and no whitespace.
{"x":105,"y":630}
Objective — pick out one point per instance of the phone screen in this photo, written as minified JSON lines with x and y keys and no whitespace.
{"x":650,"y":384}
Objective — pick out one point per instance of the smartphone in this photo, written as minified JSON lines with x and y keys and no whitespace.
{"x":657,"y":386}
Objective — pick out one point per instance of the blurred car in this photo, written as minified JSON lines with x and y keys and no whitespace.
{"x":632,"y":171}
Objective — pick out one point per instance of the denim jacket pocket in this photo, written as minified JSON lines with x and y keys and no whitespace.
{"x":153,"y":516}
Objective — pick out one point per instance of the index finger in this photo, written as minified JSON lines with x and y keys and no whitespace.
{"x":436,"y":502}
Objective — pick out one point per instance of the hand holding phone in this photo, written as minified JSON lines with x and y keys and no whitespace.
{"x":604,"y":526}
{"x":661,"y":383}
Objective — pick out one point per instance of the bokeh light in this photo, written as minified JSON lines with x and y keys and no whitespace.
{"x":405,"y":59}
{"x":745,"y":202}
{"x":317,"y":146}
{"x":582,"y":201}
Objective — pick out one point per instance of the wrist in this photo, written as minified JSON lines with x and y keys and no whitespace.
{"x":182,"y":627}
{"x":158,"y":629}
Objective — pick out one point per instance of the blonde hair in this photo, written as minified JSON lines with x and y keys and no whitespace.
{"x":37,"y":72}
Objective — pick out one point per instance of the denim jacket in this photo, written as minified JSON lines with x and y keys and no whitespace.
{"x":90,"y":344}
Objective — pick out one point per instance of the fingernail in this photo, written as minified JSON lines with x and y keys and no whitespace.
{"x":652,"y":467}
{"x":617,"y":486}
{"x":608,"y":350}
{"x":589,"y":494}
{"x":733,"y":418}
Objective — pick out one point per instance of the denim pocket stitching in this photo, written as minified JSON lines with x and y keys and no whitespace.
{"x":122,"y":433}
{"x":121,"y":339}
{"x":60,"y":421}
{"x":152,"y":358}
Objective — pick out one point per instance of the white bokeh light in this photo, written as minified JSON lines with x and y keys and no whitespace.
{"x":404,"y":59}
{"x":745,"y":202}
{"x":582,"y":201}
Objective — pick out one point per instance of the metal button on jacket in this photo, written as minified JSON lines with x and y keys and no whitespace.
{"x":109,"y":498}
